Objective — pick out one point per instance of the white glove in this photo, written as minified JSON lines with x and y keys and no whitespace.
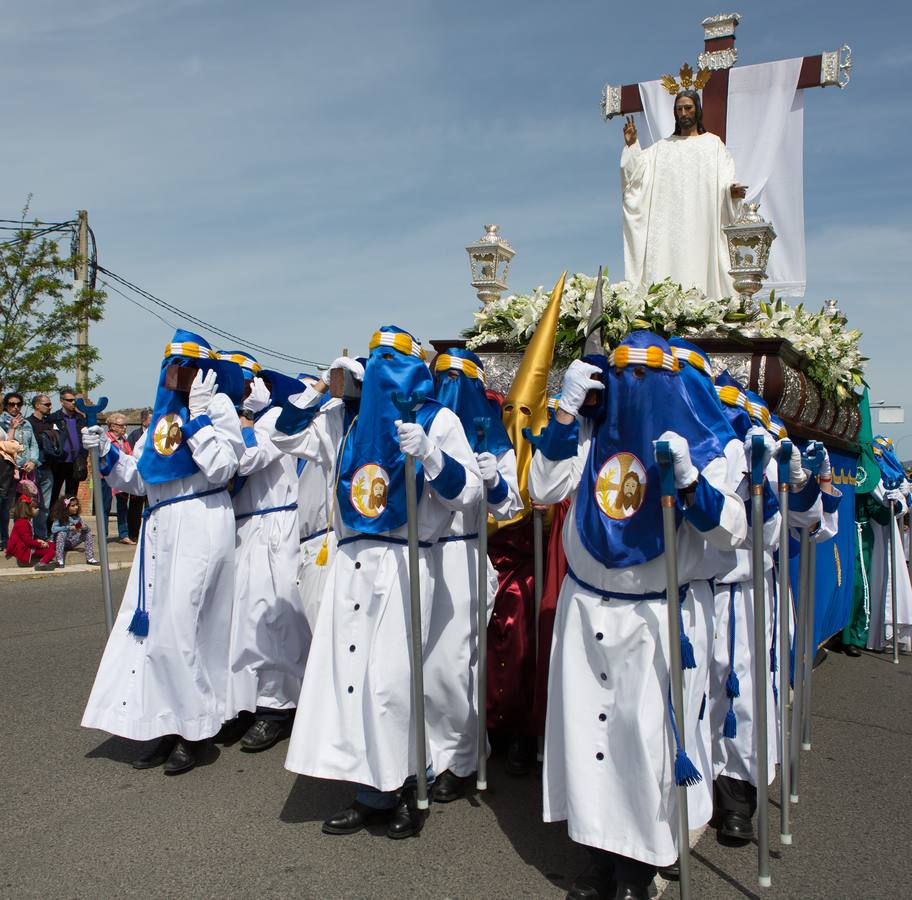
{"x":201,"y":392}
{"x":487,"y":465}
{"x":413,"y":440}
{"x":894,"y":494}
{"x":904,"y":487}
{"x":343,"y":362}
{"x":96,"y":437}
{"x":685,"y":471}
{"x":825,"y":472}
{"x":798,"y":476}
{"x":259,"y":397}
{"x":769,"y":446}
{"x":578,"y":381}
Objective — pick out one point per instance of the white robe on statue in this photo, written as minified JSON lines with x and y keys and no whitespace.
{"x":675,"y":201}
{"x":270,"y":636}
{"x":451,"y":654}
{"x":175,"y":680}
{"x":356,"y":718}
{"x":609,"y":751}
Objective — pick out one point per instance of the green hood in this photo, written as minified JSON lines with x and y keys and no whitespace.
{"x":867,"y":476}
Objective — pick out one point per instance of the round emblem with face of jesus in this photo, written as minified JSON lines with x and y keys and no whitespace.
{"x":368,"y":491}
{"x":620,"y":486}
{"x":167,"y":435}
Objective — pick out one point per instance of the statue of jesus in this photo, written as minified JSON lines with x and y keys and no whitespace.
{"x":677,"y":194}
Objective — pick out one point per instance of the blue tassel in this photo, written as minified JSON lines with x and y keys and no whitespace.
{"x":140,"y":623}
{"x":731,"y":724}
{"x":688,"y":661}
{"x":732,"y":685}
{"x":686,"y":773}
{"x":702,"y":708}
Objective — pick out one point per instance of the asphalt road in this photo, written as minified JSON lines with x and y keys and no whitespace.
{"x":77,"y":821}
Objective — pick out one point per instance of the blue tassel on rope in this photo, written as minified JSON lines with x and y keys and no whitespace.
{"x":702,"y":708}
{"x":688,"y":660}
{"x":686,"y":773}
{"x":732,"y":685}
{"x":730,"y":730}
{"x":140,"y":623}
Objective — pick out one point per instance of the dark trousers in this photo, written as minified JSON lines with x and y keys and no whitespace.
{"x":134,"y":516}
{"x":734,"y":795}
{"x":63,"y":478}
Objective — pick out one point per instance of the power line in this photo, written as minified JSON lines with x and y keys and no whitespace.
{"x":207,"y":326}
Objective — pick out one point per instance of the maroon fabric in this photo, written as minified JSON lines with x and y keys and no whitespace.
{"x":511,"y":631}
{"x":555,"y":570}
{"x":24,"y":547}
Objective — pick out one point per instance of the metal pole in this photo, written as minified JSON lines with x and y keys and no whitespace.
{"x":798,"y":667}
{"x":785,"y":833}
{"x":407,"y":410}
{"x":101,"y":526}
{"x":82,"y":278}
{"x":669,"y":528}
{"x":761,"y":661}
{"x":893,"y":582}
{"x":909,"y":543}
{"x":481,"y":774}
{"x":810,"y":646}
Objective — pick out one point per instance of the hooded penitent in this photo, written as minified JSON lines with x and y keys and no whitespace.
{"x":526,"y":405}
{"x":867,"y":474}
{"x":891,"y":469}
{"x":459,"y":380}
{"x":166,"y":456}
{"x":735,"y":404}
{"x":371,"y":487}
{"x":618,"y":509}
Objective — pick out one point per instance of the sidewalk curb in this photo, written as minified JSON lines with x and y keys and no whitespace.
{"x":18,"y":574}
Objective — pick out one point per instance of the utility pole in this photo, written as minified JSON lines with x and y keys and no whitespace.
{"x":82,"y":280}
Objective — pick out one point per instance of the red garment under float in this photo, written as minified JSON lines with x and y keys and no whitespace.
{"x":517,"y":681}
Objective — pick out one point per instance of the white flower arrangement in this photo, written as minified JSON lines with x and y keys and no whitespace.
{"x":666,"y":308}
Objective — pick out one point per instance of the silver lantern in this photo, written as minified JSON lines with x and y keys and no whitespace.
{"x":490,"y":258}
{"x":749,"y":240}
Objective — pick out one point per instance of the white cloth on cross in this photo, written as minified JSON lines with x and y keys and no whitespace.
{"x":765,"y":136}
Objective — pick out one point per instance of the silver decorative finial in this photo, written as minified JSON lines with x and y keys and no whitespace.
{"x":489,"y":258}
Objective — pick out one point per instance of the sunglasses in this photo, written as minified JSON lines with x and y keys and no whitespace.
{"x":14,"y":403}
{"x":67,"y":399}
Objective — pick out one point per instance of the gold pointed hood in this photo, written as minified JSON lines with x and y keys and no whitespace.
{"x":526,"y":405}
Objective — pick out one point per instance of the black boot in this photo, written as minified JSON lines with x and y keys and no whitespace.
{"x":183,"y":756}
{"x":158,"y":755}
{"x":631,"y":892}
{"x":407,"y":820}
{"x":596,"y":881}
{"x":672,"y":872}
{"x":448,"y":787}
{"x":263,"y":734}
{"x":736,"y":827}
{"x":353,"y":818}
{"x":521,"y":755}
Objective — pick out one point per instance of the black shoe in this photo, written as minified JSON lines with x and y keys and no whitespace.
{"x":520,"y":756}
{"x":448,"y":787}
{"x":182,"y":758}
{"x":851,"y":650}
{"x":353,"y":818}
{"x":158,"y":755}
{"x":596,"y":881}
{"x":45,"y":567}
{"x":631,"y":892}
{"x":263,"y":734}
{"x":672,"y":872}
{"x":407,"y":820}
{"x":736,"y":827}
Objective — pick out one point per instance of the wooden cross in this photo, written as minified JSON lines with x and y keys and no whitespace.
{"x":719,"y":55}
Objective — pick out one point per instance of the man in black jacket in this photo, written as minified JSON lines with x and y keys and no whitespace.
{"x":48,"y":438}
{"x":72,"y":468}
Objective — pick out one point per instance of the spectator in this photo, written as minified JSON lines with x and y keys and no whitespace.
{"x":9,"y":450}
{"x":50,"y":452}
{"x":117,"y":429}
{"x":73,"y":469}
{"x":23,"y":544}
{"x":69,"y":531}
{"x":136,"y":505}
{"x":26,"y":460}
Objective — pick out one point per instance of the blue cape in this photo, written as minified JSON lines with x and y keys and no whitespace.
{"x":891,"y":469}
{"x":371,"y":488}
{"x":166,"y":456}
{"x":737,"y":416}
{"x":618,"y":508}
{"x":466,"y":397}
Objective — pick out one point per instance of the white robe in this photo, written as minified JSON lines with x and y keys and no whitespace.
{"x":270,"y":636}
{"x":675,"y":201}
{"x":609,"y":751}
{"x":356,"y":719}
{"x":451,"y":653}
{"x":174,"y":681}
{"x":880,"y":633}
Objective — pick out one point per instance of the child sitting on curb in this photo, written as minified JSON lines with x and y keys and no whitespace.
{"x":23,"y":544}
{"x":69,"y":531}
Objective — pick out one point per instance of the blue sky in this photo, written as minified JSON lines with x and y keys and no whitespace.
{"x":302,"y":172}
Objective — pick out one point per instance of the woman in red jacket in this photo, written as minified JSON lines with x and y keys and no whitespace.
{"x":23,"y":544}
